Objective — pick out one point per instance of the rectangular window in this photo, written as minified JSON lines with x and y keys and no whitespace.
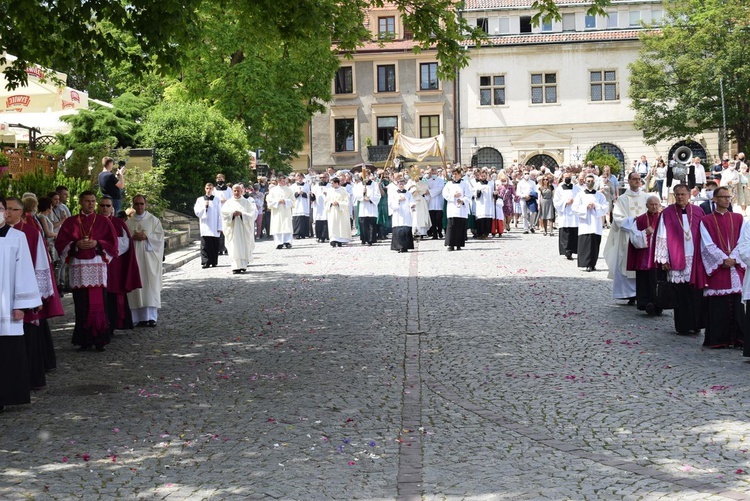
{"x":546,"y":26}
{"x":429,"y":126}
{"x":344,"y":80}
{"x":386,"y":128}
{"x":491,"y":90}
{"x":503,"y":26}
{"x":525,"y":24}
{"x":386,"y":26}
{"x":543,"y":88}
{"x":634,"y":18}
{"x":483,"y":24}
{"x":590,"y":22}
{"x":428,"y":79}
{"x":387,"y":78}
{"x":344,"y":134}
{"x":604,"y":85}
{"x":657,"y":16}
{"x":569,"y":22}
{"x":612,"y":20}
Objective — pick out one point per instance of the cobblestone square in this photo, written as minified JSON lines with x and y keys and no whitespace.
{"x":498,"y":372}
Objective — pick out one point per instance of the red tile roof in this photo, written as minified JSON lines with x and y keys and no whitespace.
{"x":568,"y":37}
{"x":509,"y":4}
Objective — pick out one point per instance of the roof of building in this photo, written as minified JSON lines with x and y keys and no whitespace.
{"x":519,"y":4}
{"x":567,"y":37}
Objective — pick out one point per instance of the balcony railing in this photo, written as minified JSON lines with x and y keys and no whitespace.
{"x":378,"y":153}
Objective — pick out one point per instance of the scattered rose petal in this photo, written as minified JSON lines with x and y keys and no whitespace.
{"x":65,"y":459}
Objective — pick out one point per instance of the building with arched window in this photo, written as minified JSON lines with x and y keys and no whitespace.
{"x":548,"y":94}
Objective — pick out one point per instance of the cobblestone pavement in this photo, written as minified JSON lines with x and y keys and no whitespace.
{"x":498,"y":372}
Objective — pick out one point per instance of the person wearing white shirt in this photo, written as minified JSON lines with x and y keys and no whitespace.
{"x":435,"y":185}
{"x":590,"y":206}
{"x":208,"y":211}
{"x":458,"y":196}
{"x":367,"y":195}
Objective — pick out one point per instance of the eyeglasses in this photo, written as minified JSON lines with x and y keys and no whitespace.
{"x":102,"y":205}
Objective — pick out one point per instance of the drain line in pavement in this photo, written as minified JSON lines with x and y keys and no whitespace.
{"x":410,"y":436}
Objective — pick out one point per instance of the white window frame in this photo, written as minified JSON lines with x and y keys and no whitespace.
{"x":587,"y":18}
{"x":568,"y":16}
{"x":544,"y":86}
{"x":602,"y":84}
{"x":492,"y":88}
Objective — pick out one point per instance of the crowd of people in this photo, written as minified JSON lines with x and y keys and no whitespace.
{"x":110,"y":262}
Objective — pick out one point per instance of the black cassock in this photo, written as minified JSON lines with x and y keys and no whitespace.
{"x":588,"y":250}
{"x":567,"y":240}
{"x":455,"y":233}
{"x":402,"y":238}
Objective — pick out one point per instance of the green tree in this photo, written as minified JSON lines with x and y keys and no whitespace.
{"x":676,"y":82}
{"x":193,"y":142}
{"x":77,"y":36}
{"x":602,"y":158}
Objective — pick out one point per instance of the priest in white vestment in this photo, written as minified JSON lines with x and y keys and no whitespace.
{"x":337,"y":207}
{"x":280,"y":201}
{"x":420,"y":194}
{"x":628,"y":206}
{"x":148,"y":240}
{"x":239,"y":215}
{"x":19,"y":292}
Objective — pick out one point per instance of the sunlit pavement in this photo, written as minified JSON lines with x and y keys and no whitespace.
{"x":498,"y":372}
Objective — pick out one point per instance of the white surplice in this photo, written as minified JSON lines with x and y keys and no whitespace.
{"x":458,"y":196}
{"x":301,"y":193}
{"x":145,"y":302}
{"x":239,"y":231}
{"x":319,"y":204}
{"x":367,"y":196}
{"x":281,"y":213}
{"x":485,"y":203}
{"x":435,"y":186}
{"x":589,"y":220}
{"x":402,"y":210}
{"x":17,"y":281}
{"x":209,"y":217}
{"x":566,"y":218}
{"x":421,"y":218}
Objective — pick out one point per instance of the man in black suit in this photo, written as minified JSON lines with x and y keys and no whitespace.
{"x":709,"y":205}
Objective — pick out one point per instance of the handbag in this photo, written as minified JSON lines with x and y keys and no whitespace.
{"x":666,"y":296}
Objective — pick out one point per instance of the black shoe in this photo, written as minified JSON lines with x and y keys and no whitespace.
{"x":631,"y":301}
{"x":152,"y":323}
{"x":333,"y":244}
{"x":205,"y":266}
{"x":100,"y":348}
{"x":434,"y":237}
{"x":451,"y":248}
{"x":568,"y":255}
{"x":288,"y":245}
{"x":590,"y":268}
{"x":459,"y":248}
{"x":279,"y":247}
{"x":532,"y":230}
{"x":235,"y":272}
{"x":369,"y":244}
{"x":526,"y":232}
{"x":242,"y":271}
{"x":650,"y":309}
{"x":213,"y":266}
{"x":84,"y":348}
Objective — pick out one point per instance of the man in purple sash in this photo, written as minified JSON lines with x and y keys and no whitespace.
{"x":677,"y":251}
{"x":725,"y":271}
{"x":639,"y":256}
{"x":123,"y":275}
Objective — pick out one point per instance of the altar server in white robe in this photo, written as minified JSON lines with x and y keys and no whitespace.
{"x":318,"y":201}
{"x":367,"y":195}
{"x":238,"y":214}
{"x":19,"y":292}
{"x":458,"y":197}
{"x":301,"y":207}
{"x":148,"y":240}
{"x":208,"y":211}
{"x":590,"y":206}
{"x":280,"y":201}
{"x":403,"y":208}
{"x":482,"y":189}
{"x":628,"y":206}
{"x":337,"y":207}
{"x":567,"y":220}
{"x":435,"y":184}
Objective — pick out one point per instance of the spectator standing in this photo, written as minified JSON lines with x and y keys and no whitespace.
{"x":112,"y":184}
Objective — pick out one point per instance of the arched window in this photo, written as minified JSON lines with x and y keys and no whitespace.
{"x":487,"y":157}
{"x":543,"y":161}
{"x":696,"y":148}
{"x":613,"y":150}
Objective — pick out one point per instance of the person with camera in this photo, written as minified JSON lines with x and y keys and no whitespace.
{"x":112,"y":184}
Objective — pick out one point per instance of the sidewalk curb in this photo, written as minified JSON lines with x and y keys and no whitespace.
{"x":181,"y":256}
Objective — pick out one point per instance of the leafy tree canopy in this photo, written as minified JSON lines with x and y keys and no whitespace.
{"x":194,"y":142}
{"x":676,"y":82}
{"x":78,"y":36}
